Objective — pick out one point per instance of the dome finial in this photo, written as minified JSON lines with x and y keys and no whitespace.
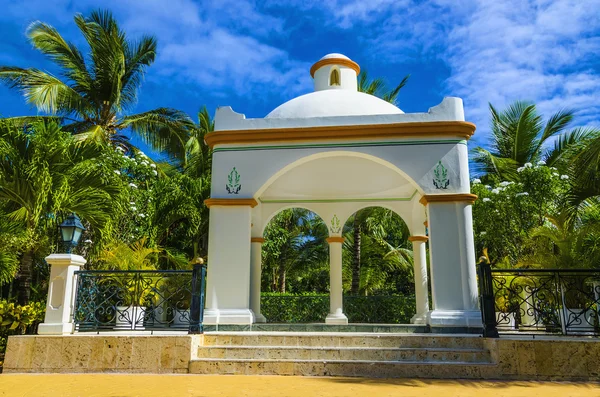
{"x":335,"y":71}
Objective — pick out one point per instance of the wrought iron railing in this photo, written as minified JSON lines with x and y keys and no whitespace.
{"x":139,"y":300}
{"x":386,"y":309}
{"x":561,"y":301}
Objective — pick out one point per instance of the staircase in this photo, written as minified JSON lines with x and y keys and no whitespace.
{"x":343,"y":354}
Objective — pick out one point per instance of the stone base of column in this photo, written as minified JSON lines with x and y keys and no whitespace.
{"x":259,"y":318}
{"x":55,"y":329}
{"x":336,"y":319}
{"x":228,"y":316}
{"x":455,"y":318}
{"x":420,"y":318}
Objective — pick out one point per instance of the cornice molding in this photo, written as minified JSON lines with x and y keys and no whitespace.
{"x":450,"y":129}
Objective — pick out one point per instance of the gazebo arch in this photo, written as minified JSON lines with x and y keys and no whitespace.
{"x":335,"y":151}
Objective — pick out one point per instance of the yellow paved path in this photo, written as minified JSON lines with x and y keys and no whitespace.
{"x":265,"y":386}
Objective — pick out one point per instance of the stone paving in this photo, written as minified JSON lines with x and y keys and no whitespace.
{"x":91,"y":385}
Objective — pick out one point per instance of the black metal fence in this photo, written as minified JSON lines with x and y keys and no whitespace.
{"x":386,"y":309}
{"x":555,"y":301}
{"x":140,"y":300}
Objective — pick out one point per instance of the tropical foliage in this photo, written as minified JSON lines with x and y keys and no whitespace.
{"x":538,"y":199}
{"x":96,"y":89}
{"x":520,"y":136}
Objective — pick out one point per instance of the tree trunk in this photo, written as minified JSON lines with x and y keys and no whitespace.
{"x":24,"y":289}
{"x":356,"y":259}
{"x":281,"y":278}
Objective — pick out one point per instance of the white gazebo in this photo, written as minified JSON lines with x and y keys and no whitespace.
{"x":335,"y":151}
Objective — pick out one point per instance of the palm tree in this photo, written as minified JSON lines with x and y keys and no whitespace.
{"x":378,"y":87}
{"x":519,"y":136}
{"x":198,"y":154}
{"x":94,"y":92}
{"x":44,"y":174}
{"x":375,"y":223}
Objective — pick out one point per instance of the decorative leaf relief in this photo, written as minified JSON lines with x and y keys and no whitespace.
{"x":440,"y":173}
{"x":335,"y":224}
{"x":233,"y":186}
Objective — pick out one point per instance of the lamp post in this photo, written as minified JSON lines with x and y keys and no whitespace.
{"x":70,"y":232}
{"x":197,"y":304}
{"x":63,"y":281}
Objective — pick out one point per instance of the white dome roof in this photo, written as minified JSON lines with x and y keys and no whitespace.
{"x":333,"y":103}
{"x":334,"y":55}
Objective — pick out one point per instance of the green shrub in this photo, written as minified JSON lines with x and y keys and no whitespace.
{"x":18,"y":320}
{"x":313,"y":308}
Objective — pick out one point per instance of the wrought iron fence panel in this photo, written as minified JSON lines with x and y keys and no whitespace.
{"x":358,"y":309}
{"x":546,"y":301}
{"x":136,"y":300}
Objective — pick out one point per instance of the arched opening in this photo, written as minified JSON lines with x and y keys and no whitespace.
{"x":378,"y":268}
{"x":334,"y":77}
{"x":295,"y":267}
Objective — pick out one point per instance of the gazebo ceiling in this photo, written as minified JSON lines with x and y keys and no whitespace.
{"x":339,"y":177}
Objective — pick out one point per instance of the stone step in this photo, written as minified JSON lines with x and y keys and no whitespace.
{"x":465,"y":341}
{"x":360,"y":368}
{"x":345,"y":353}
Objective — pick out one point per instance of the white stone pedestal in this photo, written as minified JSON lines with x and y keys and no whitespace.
{"x":61,"y":294}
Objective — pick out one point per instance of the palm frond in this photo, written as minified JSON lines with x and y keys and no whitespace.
{"x":46,"y":92}
{"x":163,"y":129}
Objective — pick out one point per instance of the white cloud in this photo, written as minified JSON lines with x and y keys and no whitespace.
{"x":545,"y":51}
{"x":542,"y":51}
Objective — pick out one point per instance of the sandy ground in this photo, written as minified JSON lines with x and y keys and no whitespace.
{"x":265,"y":386}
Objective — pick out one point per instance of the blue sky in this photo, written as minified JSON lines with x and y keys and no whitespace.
{"x":254,"y":55}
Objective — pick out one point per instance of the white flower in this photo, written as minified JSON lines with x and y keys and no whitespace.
{"x":553,"y":168}
{"x":563,"y":177}
{"x":134,"y":208}
{"x":488,"y":187}
{"x":142,"y":215}
{"x":153,"y":165}
{"x":144,"y":162}
{"x":486,"y":199}
{"x":483,"y":233}
{"x":504,"y":184}
{"x":88,"y":241}
{"x":520,"y":169}
{"x":120,"y":149}
{"x":133,"y":185}
{"x":476,"y":181}
{"x":541,"y":162}
{"x":528,"y":165}
{"x":495,"y":191}
{"x":155,"y":173}
{"x":555,"y":174}
{"x":522,"y":194}
{"x":132,"y":202}
{"x":117,"y":172}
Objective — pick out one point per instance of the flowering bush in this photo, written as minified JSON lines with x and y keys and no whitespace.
{"x":507,"y":212}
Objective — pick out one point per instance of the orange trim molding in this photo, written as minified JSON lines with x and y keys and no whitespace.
{"x":447,"y":198}
{"x":335,"y":239}
{"x":334,"y":61}
{"x":449,"y":129}
{"x":418,"y":238}
{"x":230,"y":202}
{"x":257,"y":240}
{"x":426,"y":223}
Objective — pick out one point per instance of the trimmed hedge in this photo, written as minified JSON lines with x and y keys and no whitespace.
{"x":288,"y":308}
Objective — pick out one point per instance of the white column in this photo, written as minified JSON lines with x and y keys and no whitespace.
{"x":255,"y":278}
{"x":336,"y":294}
{"x":61,"y":294}
{"x":452,"y":256}
{"x":420,"y":270}
{"x":228,"y":268}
